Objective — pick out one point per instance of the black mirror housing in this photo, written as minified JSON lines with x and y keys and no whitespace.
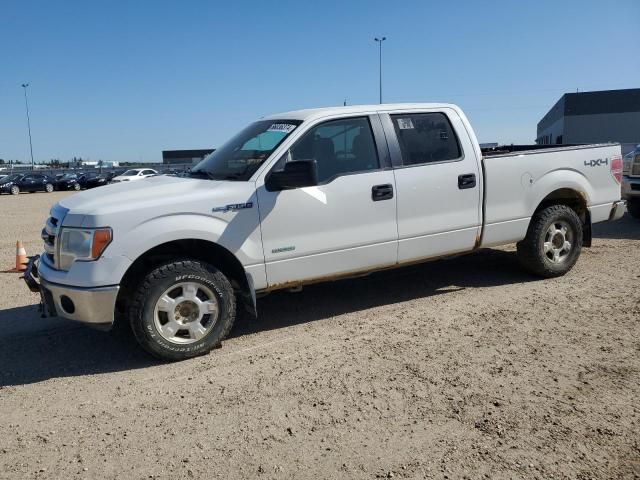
{"x":295,"y":174}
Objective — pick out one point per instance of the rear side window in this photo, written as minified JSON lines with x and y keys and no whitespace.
{"x":426,"y":138}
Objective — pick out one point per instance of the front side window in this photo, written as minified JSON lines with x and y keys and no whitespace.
{"x":339,"y":147}
{"x":240,"y":157}
{"x":130,"y":173}
{"x":426,"y":138}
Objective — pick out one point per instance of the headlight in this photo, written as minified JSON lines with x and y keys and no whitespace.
{"x":81,"y":244}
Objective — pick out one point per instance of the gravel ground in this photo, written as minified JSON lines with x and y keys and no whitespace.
{"x":459,"y":368}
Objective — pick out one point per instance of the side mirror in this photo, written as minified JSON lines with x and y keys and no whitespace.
{"x":295,"y":174}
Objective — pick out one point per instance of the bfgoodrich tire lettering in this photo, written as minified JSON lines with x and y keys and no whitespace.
{"x":143,"y":309}
{"x":553,"y":242}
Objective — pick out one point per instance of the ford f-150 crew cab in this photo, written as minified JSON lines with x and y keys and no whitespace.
{"x":308,"y":196}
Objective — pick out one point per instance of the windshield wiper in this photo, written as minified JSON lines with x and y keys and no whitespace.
{"x":213,"y":176}
{"x":202,"y":173}
{"x":233,"y":176}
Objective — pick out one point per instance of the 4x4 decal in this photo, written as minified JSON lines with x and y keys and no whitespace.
{"x":596,"y":163}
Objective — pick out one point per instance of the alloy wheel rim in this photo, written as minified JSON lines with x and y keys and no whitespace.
{"x":558,"y":242}
{"x":186,"y":312}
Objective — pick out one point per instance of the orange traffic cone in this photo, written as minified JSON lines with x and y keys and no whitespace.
{"x":21,"y":258}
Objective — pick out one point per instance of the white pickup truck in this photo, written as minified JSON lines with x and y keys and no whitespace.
{"x":309,"y":196}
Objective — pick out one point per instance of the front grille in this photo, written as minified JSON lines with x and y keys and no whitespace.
{"x":635,"y":168}
{"x":49,"y":235}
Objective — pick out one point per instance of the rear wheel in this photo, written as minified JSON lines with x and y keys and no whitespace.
{"x":182,"y":309}
{"x":633,"y":207}
{"x":15,"y":190}
{"x":48,"y":188}
{"x":553,"y":242}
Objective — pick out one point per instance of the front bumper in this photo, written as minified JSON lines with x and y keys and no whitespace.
{"x":630,"y":187}
{"x":93,"y":306}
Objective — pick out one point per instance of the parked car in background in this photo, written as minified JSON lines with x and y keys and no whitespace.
{"x":27,"y":182}
{"x":631,"y":182}
{"x":114,"y":174}
{"x":134,"y":174}
{"x":93,"y":179}
{"x":67,"y":181}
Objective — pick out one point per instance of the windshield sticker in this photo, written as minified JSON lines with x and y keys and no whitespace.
{"x":405,"y":124}
{"x":281,"y":127}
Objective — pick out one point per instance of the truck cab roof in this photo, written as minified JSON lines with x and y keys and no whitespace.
{"x":312,"y":113}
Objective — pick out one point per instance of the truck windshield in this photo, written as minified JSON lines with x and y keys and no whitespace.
{"x":241,"y":156}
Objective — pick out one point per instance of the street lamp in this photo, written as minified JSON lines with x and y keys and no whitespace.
{"x":26,"y":104}
{"x":380,"y":40}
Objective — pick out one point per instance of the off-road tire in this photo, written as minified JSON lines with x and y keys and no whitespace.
{"x":15,"y":190}
{"x":141,"y":309}
{"x":633,"y":207}
{"x":531,"y":250}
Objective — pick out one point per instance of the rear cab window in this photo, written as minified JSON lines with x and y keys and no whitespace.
{"x":426,"y":138}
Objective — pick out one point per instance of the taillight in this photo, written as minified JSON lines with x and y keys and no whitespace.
{"x":616,"y":168}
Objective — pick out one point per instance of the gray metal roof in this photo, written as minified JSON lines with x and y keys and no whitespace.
{"x":591,"y":103}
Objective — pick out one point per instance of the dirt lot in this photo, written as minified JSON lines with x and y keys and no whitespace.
{"x":466,"y":367}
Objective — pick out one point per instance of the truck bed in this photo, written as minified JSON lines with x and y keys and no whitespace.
{"x":516,"y":181}
{"x":508,"y":149}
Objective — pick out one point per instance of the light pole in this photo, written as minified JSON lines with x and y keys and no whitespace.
{"x":26,"y":105}
{"x":380,"y":40}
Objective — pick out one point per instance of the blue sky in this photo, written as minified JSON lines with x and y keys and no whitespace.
{"x":122,"y":81}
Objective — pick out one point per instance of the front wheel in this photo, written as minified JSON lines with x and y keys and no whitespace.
{"x":76,"y":186}
{"x":48,"y":188}
{"x":182,"y":309}
{"x":633,"y":207}
{"x":15,"y":190}
{"x":553,"y":242}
